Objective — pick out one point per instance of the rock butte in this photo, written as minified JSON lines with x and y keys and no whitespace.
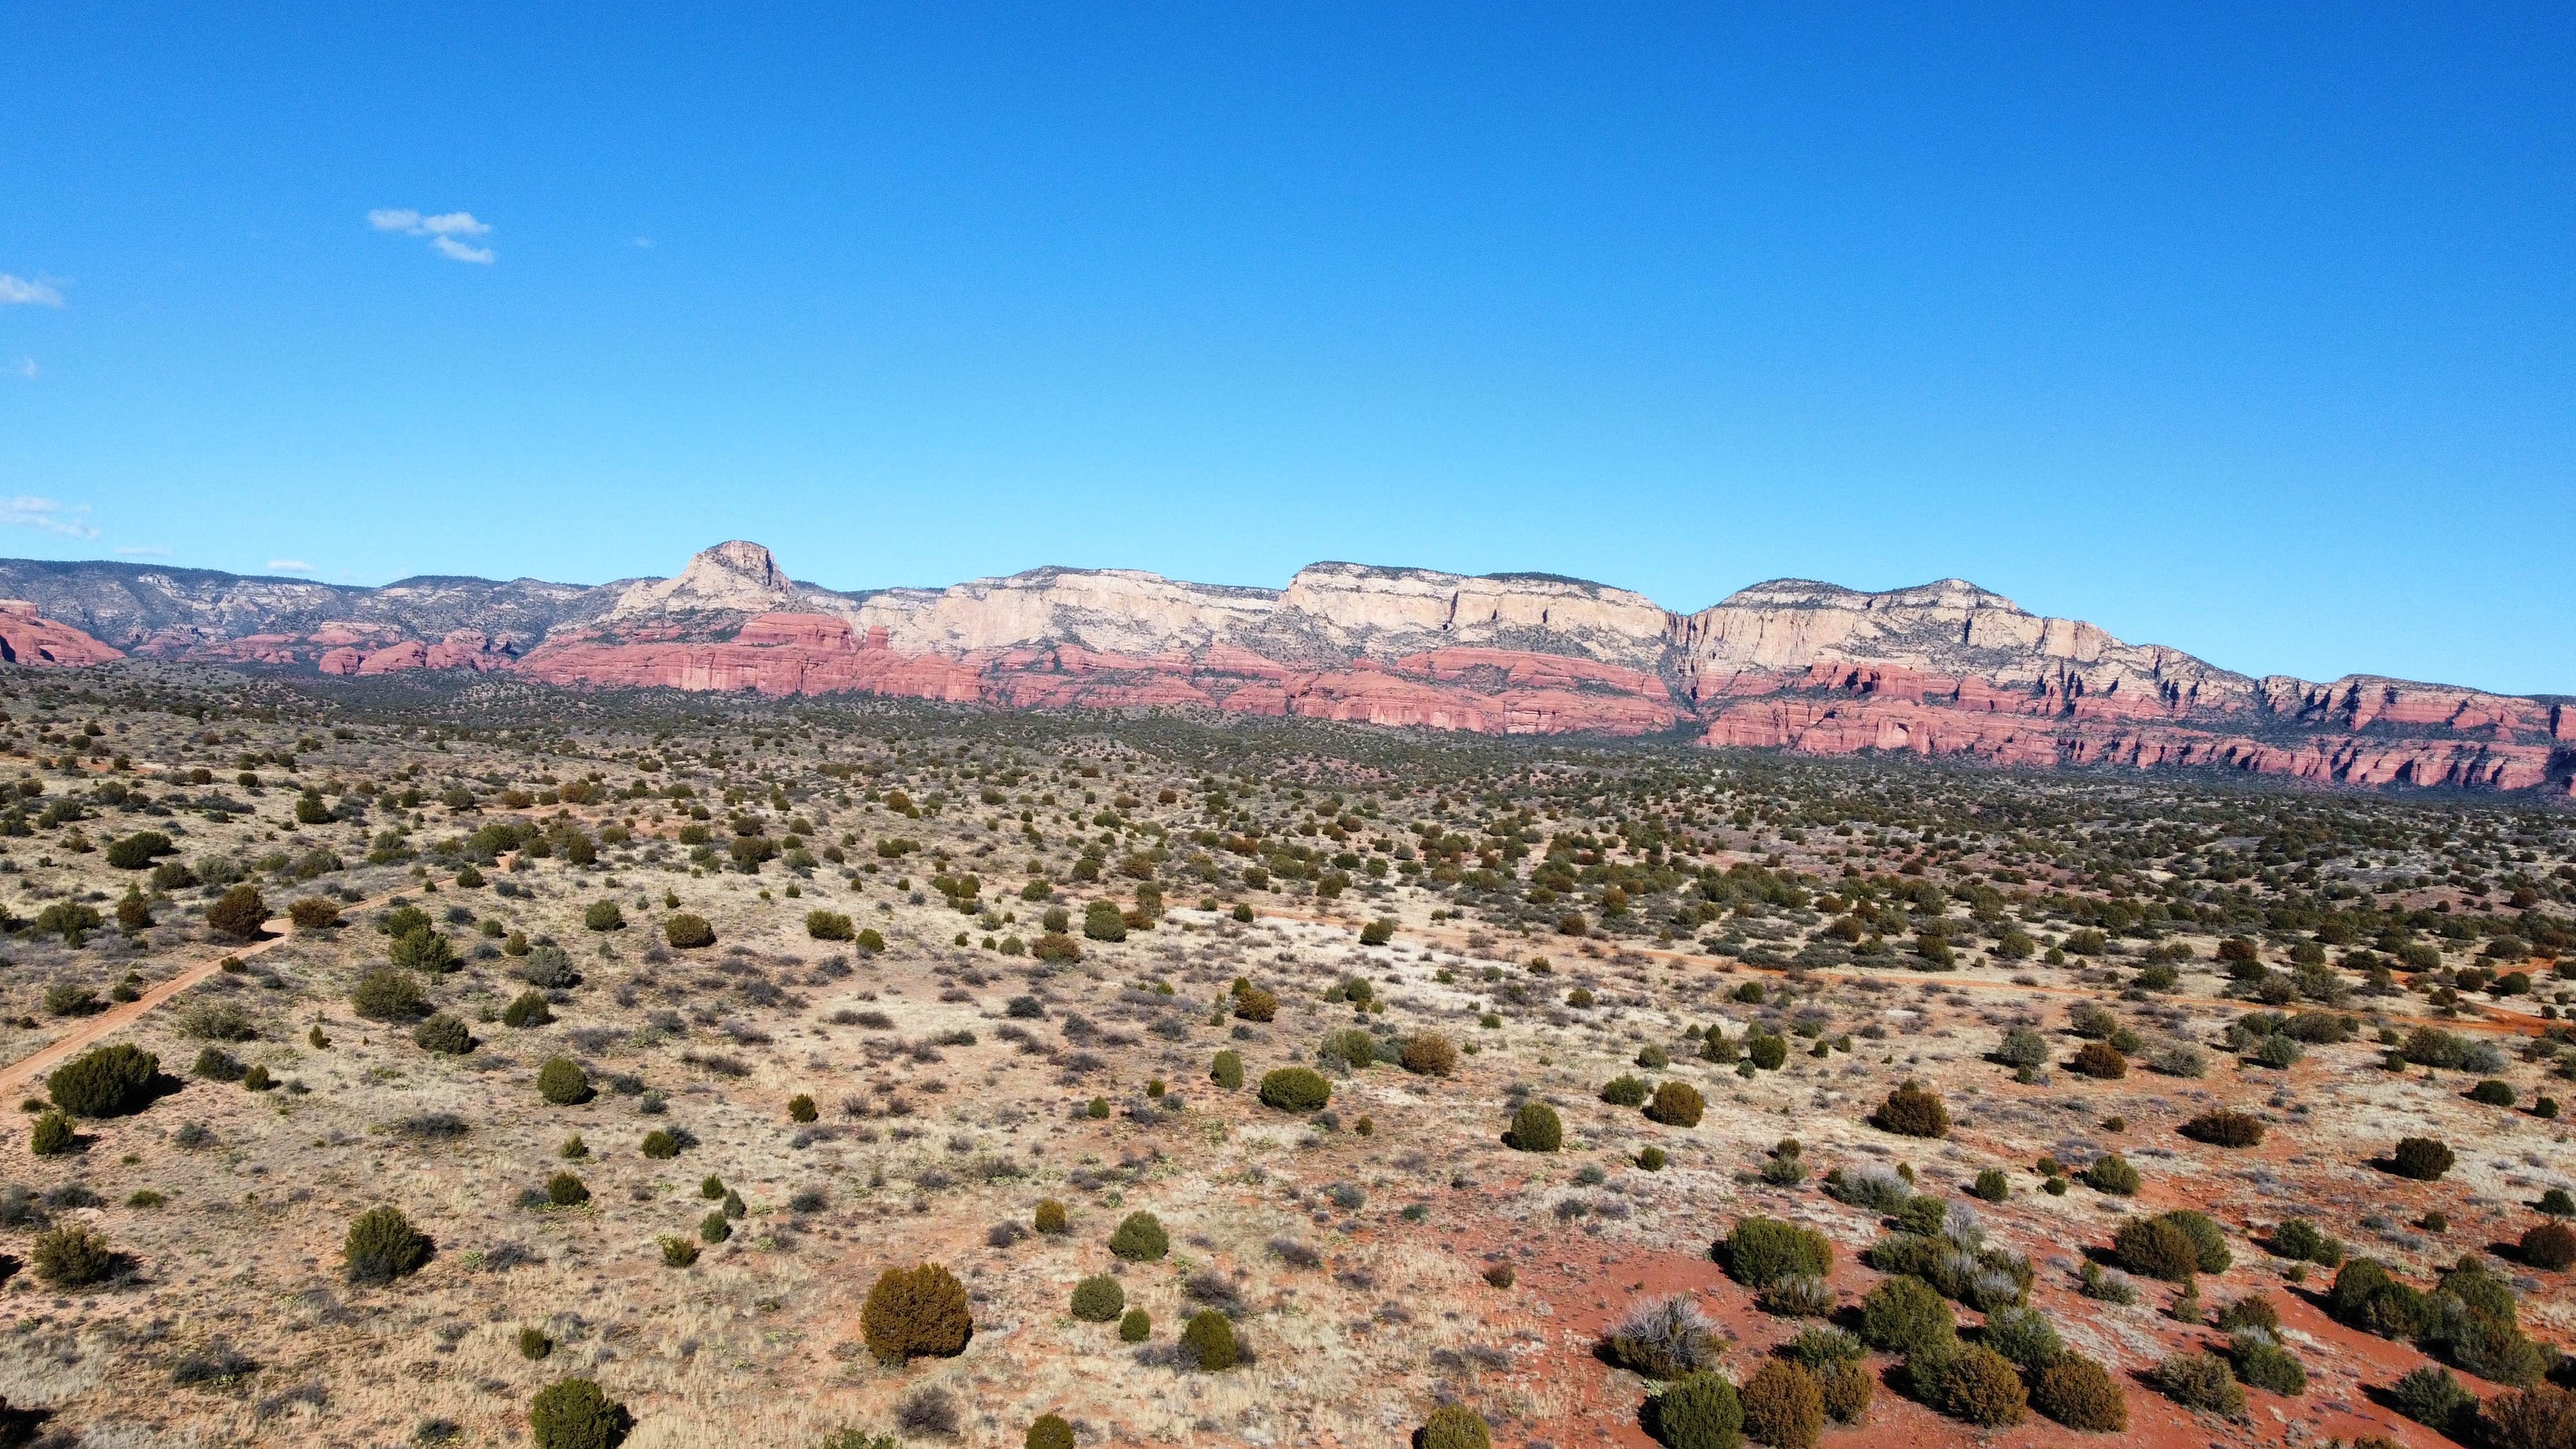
{"x":1945,"y":668}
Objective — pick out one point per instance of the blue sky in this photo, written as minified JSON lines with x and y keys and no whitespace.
{"x":2241,"y":329}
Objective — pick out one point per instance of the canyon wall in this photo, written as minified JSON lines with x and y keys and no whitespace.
{"x":1945,"y":668}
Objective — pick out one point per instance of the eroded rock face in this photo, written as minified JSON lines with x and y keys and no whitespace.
{"x":1945,"y":668}
{"x":27,"y":637}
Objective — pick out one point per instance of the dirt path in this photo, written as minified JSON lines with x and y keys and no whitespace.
{"x":18,"y":1074}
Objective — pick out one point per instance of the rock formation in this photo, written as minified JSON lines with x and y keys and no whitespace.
{"x":1945,"y":668}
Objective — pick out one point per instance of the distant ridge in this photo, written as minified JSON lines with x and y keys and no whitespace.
{"x":1941,"y":668}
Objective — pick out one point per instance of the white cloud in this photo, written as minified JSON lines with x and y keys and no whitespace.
{"x":645,"y":242}
{"x":289,"y":566}
{"x":143,"y":550}
{"x":19,"y":289}
{"x":69,"y":520}
{"x":442,"y":229}
{"x":24,"y":367}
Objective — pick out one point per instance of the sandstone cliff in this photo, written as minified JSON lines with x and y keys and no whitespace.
{"x":1946,"y":668}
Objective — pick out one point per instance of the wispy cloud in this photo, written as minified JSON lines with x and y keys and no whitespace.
{"x":68,"y":519}
{"x":444,"y":230}
{"x":644,"y":242}
{"x":289,"y":566}
{"x":35,"y":293}
{"x":24,"y":367}
{"x":143,"y":550}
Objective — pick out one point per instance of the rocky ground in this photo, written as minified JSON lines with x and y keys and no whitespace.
{"x":908,"y":1085}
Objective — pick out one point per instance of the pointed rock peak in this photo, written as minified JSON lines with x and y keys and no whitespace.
{"x":735,"y":576}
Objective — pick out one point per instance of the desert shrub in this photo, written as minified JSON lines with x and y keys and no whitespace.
{"x":70,"y":998}
{"x":2099,"y":1060}
{"x":1351,"y":1047}
{"x":1676,"y":1104}
{"x":1140,"y":1238}
{"x":1911,"y":1111}
{"x":2023,"y":1335}
{"x":1209,"y":1338}
{"x":52,"y":1136}
{"x":687,"y":932}
{"x":1536,"y":1128}
{"x":604,"y":915}
{"x":1879,"y":1189}
{"x":1783,"y":1405}
{"x":1799,"y":1297}
{"x":2429,"y":1395}
{"x":547,"y":968}
{"x":527,"y":1009}
{"x":1846,"y":1388}
{"x":2224,"y":1128}
{"x":2112,"y":1173}
{"x":565,"y":1190}
{"x":2179,"y":1059}
{"x":1251,"y":1003}
{"x":2208,"y":1240}
{"x":2156,"y":1248}
{"x":1455,"y":1426}
{"x":535,"y":1344}
{"x":661,"y":1145}
{"x":916,"y":1312}
{"x":422,"y":950}
{"x":1227,"y":1071}
{"x":2254,"y":1310}
{"x":443,"y":1034}
{"x":1699,"y":1411}
{"x":72,"y":1256}
{"x":2202,"y":1381}
{"x":2541,"y":1417}
{"x":1978,"y":1385}
{"x":388,"y":994}
{"x":1818,"y":1345}
{"x":2549,"y":1245}
{"x":238,"y":913}
{"x":2421,"y":1158}
{"x":575,"y":1414}
{"x":2300,"y":1241}
{"x":2022,"y":1046}
{"x":2279,"y":1050}
{"x":2492,"y":1093}
{"x":1766,"y":1050}
{"x":1991,"y":1185}
{"x":1760,"y":1251}
{"x":2081,"y":1394}
{"x":1050,"y":1216}
{"x":1295,"y":1089}
{"x":2264,"y":1363}
{"x":1624,"y":1090}
{"x":562,"y":1082}
{"x":1136,"y":1326}
{"x":1664,"y":1338}
{"x":1904,"y":1313}
{"x":383,"y":1245}
{"x":1098,"y":1299}
{"x":927,"y":1412}
{"x":108,"y":1081}
{"x":1048,"y":1431}
{"x":2366,"y":1296}
{"x":314,"y":913}
{"x":216,"y":1021}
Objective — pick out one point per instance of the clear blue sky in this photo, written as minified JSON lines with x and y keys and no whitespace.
{"x":2246,"y":329}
